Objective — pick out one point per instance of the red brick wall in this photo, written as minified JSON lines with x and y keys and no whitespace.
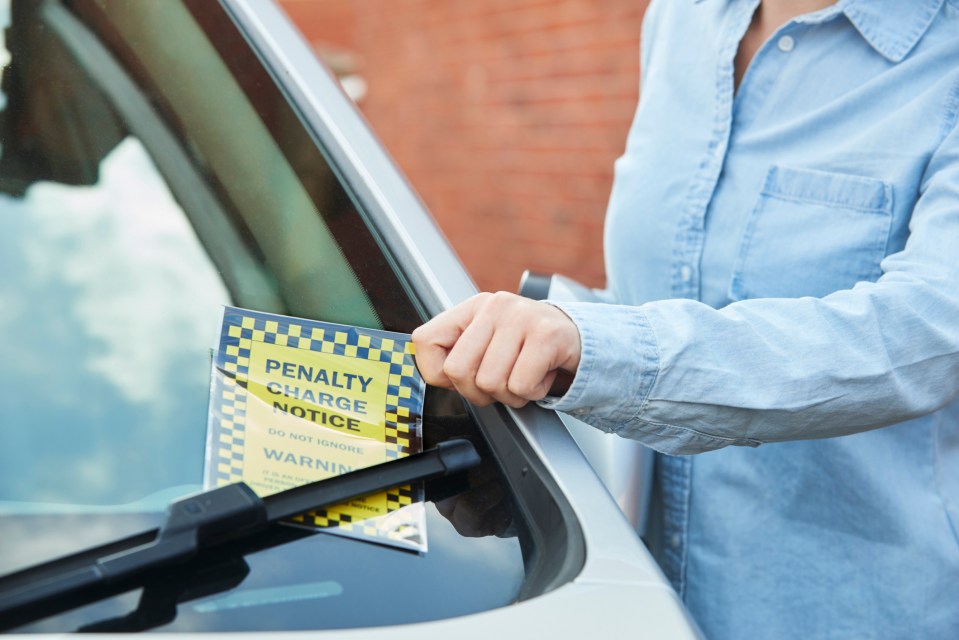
{"x":505,"y":115}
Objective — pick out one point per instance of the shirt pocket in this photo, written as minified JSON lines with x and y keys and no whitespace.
{"x":812,"y":233}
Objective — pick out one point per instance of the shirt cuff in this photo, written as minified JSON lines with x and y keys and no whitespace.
{"x":618,"y":365}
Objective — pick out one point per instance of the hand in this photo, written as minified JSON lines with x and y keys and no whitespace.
{"x":498,"y":347}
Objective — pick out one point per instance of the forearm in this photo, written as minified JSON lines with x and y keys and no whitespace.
{"x":683,"y":377}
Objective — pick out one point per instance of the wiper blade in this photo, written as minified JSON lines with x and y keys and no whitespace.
{"x":201,"y":523}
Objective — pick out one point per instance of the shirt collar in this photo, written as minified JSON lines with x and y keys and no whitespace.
{"x":891,"y":27}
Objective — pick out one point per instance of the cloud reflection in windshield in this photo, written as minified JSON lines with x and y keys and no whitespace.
{"x":108,"y":310}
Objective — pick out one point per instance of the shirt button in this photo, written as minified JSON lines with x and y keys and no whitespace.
{"x":674,"y":540}
{"x":582,"y":411}
{"x":685,"y":273}
{"x":786,"y":44}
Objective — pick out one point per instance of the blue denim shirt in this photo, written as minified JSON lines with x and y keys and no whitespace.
{"x":783,"y":261}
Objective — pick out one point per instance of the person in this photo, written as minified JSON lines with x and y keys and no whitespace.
{"x":782,"y":256}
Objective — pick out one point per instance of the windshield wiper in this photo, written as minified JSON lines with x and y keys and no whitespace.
{"x":230,"y":519}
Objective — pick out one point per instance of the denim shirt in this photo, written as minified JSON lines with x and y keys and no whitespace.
{"x":783,"y":267}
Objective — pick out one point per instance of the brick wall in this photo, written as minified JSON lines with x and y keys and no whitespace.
{"x":505,"y":115}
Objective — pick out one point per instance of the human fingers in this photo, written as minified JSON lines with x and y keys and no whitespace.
{"x":480,"y":362}
{"x":513,"y":351}
{"x":552,"y":347}
{"x":493,"y":373}
{"x":498,"y":347}
{"x":548,"y":345}
{"x":433,"y":340}
{"x":532,"y":375}
{"x":465,"y":356}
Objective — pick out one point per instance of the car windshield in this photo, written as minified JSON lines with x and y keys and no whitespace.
{"x":152,"y":171}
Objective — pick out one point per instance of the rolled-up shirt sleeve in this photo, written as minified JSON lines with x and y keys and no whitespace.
{"x":683,"y":377}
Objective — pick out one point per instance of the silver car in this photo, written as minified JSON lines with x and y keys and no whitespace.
{"x":161,"y":159}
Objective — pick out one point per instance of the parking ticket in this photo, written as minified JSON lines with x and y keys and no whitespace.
{"x":295,"y":400}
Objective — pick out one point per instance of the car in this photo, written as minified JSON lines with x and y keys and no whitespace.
{"x":163,"y":160}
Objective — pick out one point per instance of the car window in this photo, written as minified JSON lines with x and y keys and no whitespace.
{"x":151,"y":171}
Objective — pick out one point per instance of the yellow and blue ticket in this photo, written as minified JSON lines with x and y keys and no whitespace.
{"x":295,"y":400}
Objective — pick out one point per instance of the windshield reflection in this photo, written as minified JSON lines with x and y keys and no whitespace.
{"x":108,"y":310}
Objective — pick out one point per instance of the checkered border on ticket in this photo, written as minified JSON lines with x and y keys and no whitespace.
{"x":295,"y":400}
